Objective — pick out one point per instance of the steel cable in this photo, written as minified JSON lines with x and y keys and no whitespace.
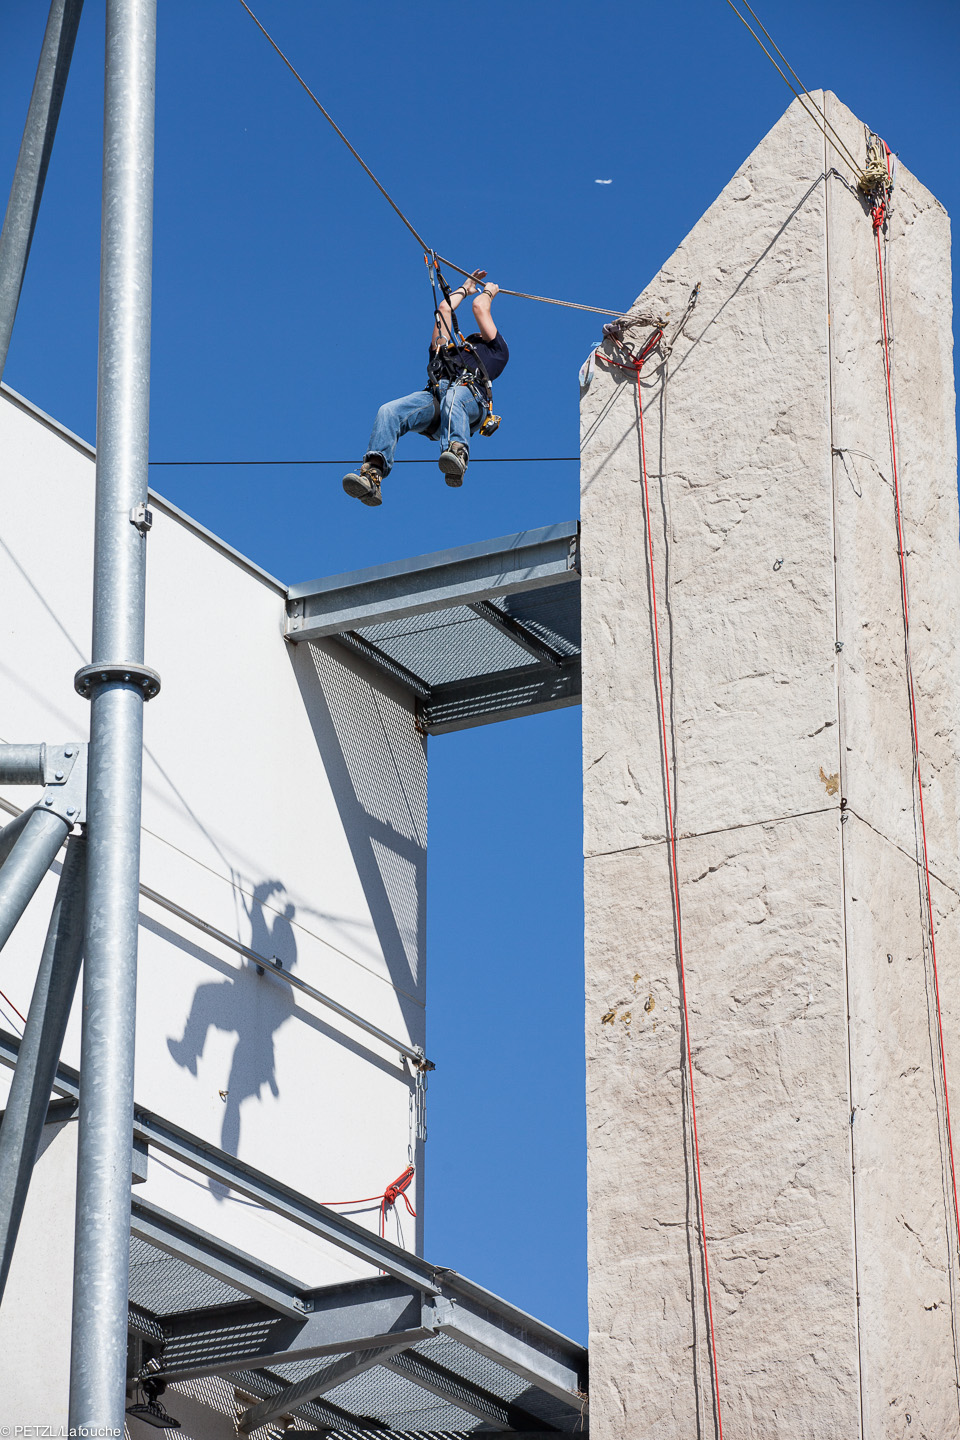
{"x":816,"y":114}
{"x":480,"y":460}
{"x":518,"y":294}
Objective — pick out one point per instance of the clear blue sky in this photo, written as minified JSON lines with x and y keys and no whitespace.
{"x":289,"y":301}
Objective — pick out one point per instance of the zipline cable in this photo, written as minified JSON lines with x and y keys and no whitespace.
{"x":329,"y":118}
{"x":480,"y":460}
{"x":816,"y":115}
{"x":518,"y":294}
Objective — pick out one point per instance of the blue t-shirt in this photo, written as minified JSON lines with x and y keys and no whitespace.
{"x":493,"y":353}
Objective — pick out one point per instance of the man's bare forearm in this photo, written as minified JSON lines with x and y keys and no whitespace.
{"x":481,"y":311}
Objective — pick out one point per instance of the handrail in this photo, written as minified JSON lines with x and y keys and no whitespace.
{"x":226,"y":1169}
{"x":272,"y":964}
{"x":275,"y":967}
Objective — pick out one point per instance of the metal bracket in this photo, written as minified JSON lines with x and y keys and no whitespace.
{"x":141,"y":517}
{"x":65,"y":778}
{"x":435,"y":1310}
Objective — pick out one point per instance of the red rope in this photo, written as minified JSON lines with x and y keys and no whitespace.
{"x":636,"y":364}
{"x":396,"y":1190}
{"x":12,"y":1006}
{"x":901,"y":555}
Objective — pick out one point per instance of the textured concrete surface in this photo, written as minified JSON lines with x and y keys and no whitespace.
{"x":818,"y":1087}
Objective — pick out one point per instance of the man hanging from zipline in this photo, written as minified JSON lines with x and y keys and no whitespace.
{"x":457,"y":401}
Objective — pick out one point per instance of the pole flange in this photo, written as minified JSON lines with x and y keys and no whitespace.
{"x":87,"y":679}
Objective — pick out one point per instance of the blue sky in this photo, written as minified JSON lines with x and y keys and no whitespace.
{"x":289,"y":301}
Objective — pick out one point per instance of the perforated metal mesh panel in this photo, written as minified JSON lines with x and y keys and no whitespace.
{"x":167,"y":1286}
{"x":443,"y":647}
{"x":448,"y":1392}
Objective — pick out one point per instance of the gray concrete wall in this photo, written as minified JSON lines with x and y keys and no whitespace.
{"x":809,"y":982}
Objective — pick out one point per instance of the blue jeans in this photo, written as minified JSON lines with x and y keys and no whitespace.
{"x":460,"y":414}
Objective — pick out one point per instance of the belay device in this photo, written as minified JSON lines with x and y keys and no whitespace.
{"x":457,"y":360}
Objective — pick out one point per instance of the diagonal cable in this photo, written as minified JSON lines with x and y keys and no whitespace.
{"x":427,"y":251}
{"x":814,"y":113}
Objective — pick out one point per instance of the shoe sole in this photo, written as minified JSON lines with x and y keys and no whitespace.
{"x":453,"y":471}
{"x":357,"y":490}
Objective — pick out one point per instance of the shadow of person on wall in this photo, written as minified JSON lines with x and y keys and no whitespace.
{"x":251,"y":1007}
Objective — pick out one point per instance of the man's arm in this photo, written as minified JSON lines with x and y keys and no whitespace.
{"x":481,"y":311}
{"x":443,"y":329}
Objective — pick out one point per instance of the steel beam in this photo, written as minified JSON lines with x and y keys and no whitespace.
{"x":176,"y":1237}
{"x":357,"y":1315}
{"x":437,"y":1299}
{"x":550,"y":1363}
{"x":500,"y":696}
{"x":216,"y":1164}
{"x":333,"y":1419}
{"x":513,"y":629}
{"x":360,"y":645}
{"x":116,"y":682}
{"x":26,"y":191}
{"x":53,"y":993}
{"x":464,"y":576}
{"x":273,"y":1195}
{"x":33,"y":852}
{"x":311,"y":1387}
{"x":66,"y":1080}
{"x":464,"y":1394}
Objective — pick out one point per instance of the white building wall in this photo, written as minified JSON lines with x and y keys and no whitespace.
{"x":285,"y":804}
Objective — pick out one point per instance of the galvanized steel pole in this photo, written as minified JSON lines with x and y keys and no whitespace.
{"x":30,"y":857}
{"x":31,"y":172}
{"x":117,"y":683}
{"x":39,"y":1055}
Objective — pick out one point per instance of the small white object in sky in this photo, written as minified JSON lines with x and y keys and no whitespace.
{"x":603,"y":182}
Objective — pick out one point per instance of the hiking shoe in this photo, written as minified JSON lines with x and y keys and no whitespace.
{"x":365,"y":485}
{"x":453,"y":463}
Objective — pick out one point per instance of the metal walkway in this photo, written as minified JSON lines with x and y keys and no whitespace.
{"x":417,"y":1349}
{"x":481,"y":633}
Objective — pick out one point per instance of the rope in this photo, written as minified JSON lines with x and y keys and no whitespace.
{"x":329,"y":118}
{"x":816,"y":114}
{"x":902,"y":558}
{"x":8,"y":1001}
{"x":396,"y":1190}
{"x":636,"y":364}
{"x":518,"y":294}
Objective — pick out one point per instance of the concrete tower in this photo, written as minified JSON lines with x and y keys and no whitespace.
{"x":813,"y":1029}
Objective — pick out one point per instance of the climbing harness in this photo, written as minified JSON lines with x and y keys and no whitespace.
{"x":879,"y":178}
{"x":456,"y":361}
{"x":634,"y":362}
